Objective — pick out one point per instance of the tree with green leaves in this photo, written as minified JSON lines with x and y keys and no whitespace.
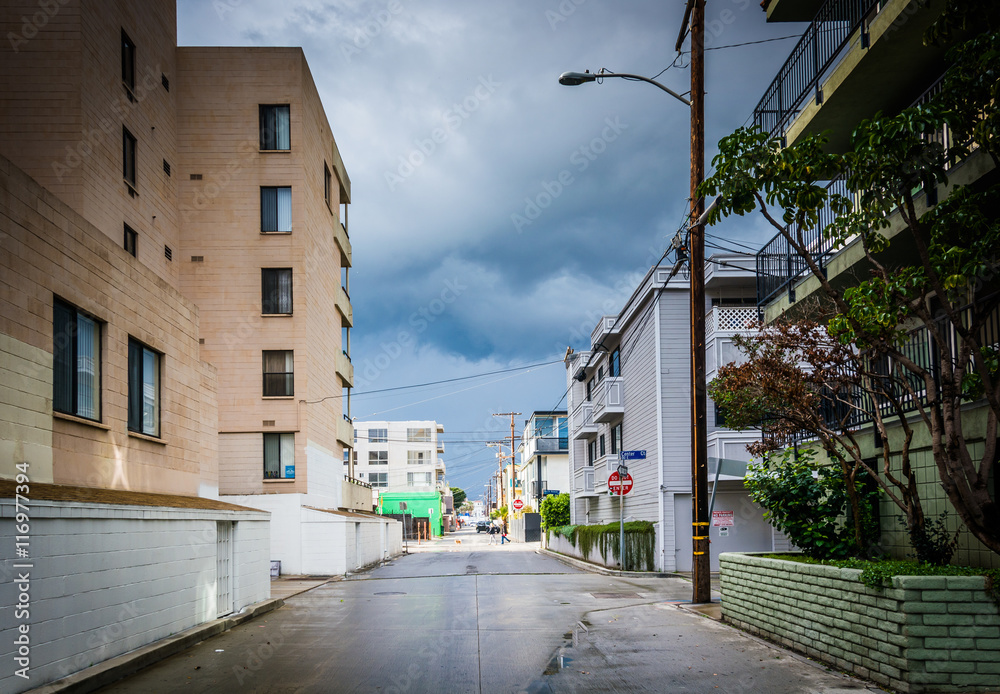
{"x":914,"y":336}
{"x":458,"y":496}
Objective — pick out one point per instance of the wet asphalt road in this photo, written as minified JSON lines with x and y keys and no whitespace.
{"x":472,"y":617}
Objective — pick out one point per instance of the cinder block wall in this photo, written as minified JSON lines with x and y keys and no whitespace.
{"x":106,"y":579}
{"x":922,"y":634}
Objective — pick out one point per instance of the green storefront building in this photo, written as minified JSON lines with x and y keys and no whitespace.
{"x":418,"y":504}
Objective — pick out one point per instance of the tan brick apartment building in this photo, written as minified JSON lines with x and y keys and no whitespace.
{"x":173,"y":321}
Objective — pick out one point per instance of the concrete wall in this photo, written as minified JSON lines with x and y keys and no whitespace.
{"x":558,"y":543}
{"x":309,"y":540}
{"x":107,"y":579}
{"x":922,"y":634}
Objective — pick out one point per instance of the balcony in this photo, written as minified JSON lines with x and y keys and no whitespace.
{"x":581,"y":422}
{"x":609,"y":400}
{"x":857,"y":57}
{"x":343,"y":243}
{"x":344,"y":368}
{"x":345,"y":433}
{"x":605,"y":327}
{"x":725,"y":319}
{"x":345,"y":308}
{"x":583,"y":483}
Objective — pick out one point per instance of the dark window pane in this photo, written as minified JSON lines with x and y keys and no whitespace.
{"x":134,"y":386}
{"x":63,"y":358}
{"x":128,"y":61}
{"x":274,"y":127}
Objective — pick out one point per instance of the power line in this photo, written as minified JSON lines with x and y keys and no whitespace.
{"x":447,"y":380}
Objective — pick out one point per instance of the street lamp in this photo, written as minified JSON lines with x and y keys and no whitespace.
{"x":572,"y":79}
{"x":702,"y":587}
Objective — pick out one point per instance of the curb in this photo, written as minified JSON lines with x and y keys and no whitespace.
{"x":598,"y":569}
{"x":122,"y":666}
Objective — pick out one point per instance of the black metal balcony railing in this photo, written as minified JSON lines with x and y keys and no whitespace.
{"x":813,"y":55}
{"x":779,"y":265}
{"x":857,"y":406}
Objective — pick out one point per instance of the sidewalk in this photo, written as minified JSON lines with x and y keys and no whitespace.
{"x":659,"y":647}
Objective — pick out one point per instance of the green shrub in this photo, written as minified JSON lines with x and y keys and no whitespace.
{"x":809,"y":504}
{"x":640,"y":542}
{"x":555,"y":510}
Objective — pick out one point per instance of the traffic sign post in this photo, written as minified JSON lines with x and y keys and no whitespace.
{"x":518,"y":504}
{"x":620,"y":483}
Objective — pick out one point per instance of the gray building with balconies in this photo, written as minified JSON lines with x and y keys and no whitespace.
{"x":631,"y":391}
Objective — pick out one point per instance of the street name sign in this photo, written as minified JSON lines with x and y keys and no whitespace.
{"x":633,"y":455}
{"x":619,"y":485}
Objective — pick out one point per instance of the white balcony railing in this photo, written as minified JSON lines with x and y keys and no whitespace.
{"x":583,"y":481}
{"x":724,"y":319}
{"x":609,"y":400}
{"x":581,"y":422}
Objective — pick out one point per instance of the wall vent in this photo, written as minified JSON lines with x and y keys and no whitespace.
{"x":201,"y":340}
{"x":166,"y":167}
{"x":195,"y":177}
{"x":197,"y":259}
{"x":165,"y":82}
{"x":268,"y":423}
{"x":167,"y":253}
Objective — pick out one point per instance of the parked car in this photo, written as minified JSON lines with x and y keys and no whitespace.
{"x":482,"y":526}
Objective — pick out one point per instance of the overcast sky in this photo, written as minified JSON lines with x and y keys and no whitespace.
{"x":497,"y":214}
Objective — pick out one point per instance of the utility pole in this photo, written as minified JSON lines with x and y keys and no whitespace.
{"x":701,"y":563}
{"x":500,"y":456}
{"x":513,"y":462}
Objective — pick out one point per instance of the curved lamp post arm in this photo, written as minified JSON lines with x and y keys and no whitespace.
{"x":571,"y":79}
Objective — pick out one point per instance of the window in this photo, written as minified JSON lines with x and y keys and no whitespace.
{"x":279,"y":456}
{"x":563,"y":433}
{"x":616,"y":438}
{"x":128,"y":156}
{"x":600,"y":445}
{"x":378,"y":435}
{"x":327,"y":183}
{"x":274,"y":127}
{"x":128,"y":64}
{"x":591,"y":452}
{"x":417,"y":457}
{"x":378,"y":479}
{"x":615,"y":363}
{"x":590,"y":389}
{"x":130,"y":240}
{"x":276,"y":290}
{"x":275,"y":209}
{"x":418,"y":479}
{"x":418,"y":435}
{"x":378,"y":457}
{"x":279,"y":376}
{"x":76,"y":362}
{"x":600,"y":373}
{"x":143,"y":389}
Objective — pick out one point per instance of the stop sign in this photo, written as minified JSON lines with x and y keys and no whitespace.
{"x":620,"y":485}
{"x":518,"y":504}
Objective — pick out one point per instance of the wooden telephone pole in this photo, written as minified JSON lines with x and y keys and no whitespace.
{"x":513,"y":460}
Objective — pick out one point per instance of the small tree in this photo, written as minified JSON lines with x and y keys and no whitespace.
{"x":919,"y":327}
{"x":555,"y":510}
{"x":458,"y":496}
